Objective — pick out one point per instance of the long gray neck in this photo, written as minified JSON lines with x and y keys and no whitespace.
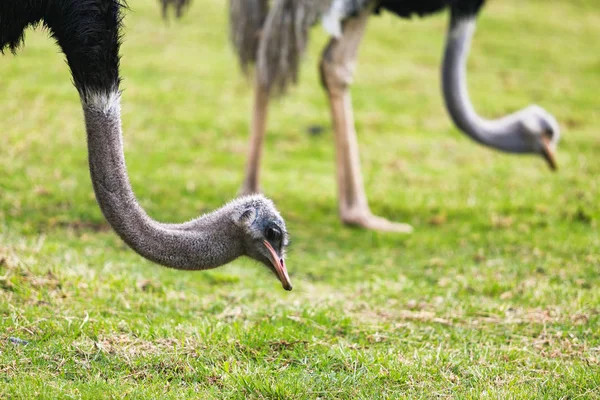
{"x":502,"y":134}
{"x":209,"y":242}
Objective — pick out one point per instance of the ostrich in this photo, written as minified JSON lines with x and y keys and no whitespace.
{"x":275,"y":38}
{"x":88,"y":32}
{"x":178,"y":4}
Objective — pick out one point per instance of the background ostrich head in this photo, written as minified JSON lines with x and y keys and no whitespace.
{"x":531,"y":130}
{"x":541,"y":130}
{"x":264,"y":234}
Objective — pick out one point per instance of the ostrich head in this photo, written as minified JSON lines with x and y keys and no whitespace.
{"x":532,"y":130}
{"x":264,"y":235}
{"x":541,"y":131}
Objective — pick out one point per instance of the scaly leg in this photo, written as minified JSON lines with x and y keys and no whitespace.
{"x":259,"y":122}
{"x":337,"y":67}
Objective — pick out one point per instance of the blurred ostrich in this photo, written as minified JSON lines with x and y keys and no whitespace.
{"x":88,"y":32}
{"x":178,"y":4}
{"x":275,"y":38}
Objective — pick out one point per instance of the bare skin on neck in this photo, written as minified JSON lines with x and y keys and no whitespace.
{"x":249,"y":226}
{"x":531,"y":130}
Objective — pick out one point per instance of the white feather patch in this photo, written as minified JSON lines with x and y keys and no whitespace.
{"x":464,"y":26}
{"x":332,"y":19}
{"x":105,"y":102}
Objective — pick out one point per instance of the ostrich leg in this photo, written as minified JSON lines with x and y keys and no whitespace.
{"x":337,"y":67}
{"x":179,"y":10}
{"x":259,"y":122}
{"x":165,"y":9}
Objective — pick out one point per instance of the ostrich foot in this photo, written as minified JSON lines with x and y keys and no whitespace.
{"x":369,"y":221}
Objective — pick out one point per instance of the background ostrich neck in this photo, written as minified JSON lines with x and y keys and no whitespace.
{"x":211,"y":242}
{"x":502,"y":134}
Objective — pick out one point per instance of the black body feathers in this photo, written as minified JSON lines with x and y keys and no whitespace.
{"x":421,"y":8}
{"x":284,"y":34}
{"x":88,"y":32}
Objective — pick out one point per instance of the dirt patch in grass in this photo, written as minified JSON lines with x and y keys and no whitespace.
{"x":563,"y":345}
{"x":127,"y":346}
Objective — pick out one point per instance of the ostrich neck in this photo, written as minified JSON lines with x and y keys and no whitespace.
{"x":208,"y":242}
{"x":502,"y":134}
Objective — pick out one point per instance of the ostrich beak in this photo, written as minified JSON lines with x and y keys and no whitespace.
{"x":548,"y":154}
{"x":279,"y":266}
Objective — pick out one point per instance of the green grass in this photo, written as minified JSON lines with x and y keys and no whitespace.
{"x":495,"y":295}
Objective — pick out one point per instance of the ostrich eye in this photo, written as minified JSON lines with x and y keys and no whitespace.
{"x":549,"y":133}
{"x":272,"y":233}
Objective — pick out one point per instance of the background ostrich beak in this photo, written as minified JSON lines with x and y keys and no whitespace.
{"x":279,"y":265}
{"x":548,"y":154}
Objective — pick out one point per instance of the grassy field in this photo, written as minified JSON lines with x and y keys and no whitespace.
{"x":496,"y":294}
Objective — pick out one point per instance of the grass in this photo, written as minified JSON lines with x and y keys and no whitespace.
{"x":495,"y":295}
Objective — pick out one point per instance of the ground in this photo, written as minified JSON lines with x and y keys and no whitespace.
{"x":496,"y":294}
